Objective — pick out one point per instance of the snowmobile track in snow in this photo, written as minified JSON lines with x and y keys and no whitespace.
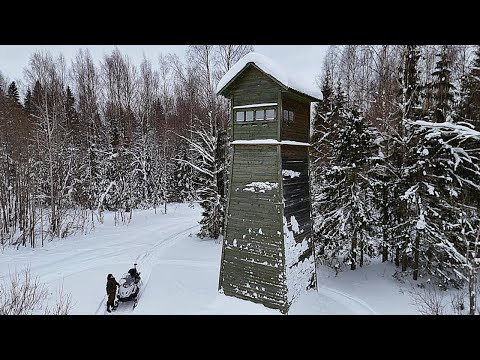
{"x":356,"y":305}
{"x":145,"y":262}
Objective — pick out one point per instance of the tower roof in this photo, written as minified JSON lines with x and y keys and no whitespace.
{"x":271,"y":69}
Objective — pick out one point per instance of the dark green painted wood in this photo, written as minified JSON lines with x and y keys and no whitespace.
{"x":296,"y":192}
{"x":253,"y":263}
{"x":249,"y":280}
{"x":279,"y":115}
{"x":299,"y":130}
{"x":240,"y":227}
{"x":268,"y":262}
{"x":255,"y":130}
{"x":254,"y":87}
{"x":251,"y":257}
{"x":268,"y":304}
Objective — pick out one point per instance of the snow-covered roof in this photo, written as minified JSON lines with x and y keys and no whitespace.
{"x":271,"y":68}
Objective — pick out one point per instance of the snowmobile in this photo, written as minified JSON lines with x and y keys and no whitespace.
{"x":129,"y":287}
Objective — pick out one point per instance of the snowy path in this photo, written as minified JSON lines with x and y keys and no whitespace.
{"x":146,"y":261}
{"x":351,"y":303}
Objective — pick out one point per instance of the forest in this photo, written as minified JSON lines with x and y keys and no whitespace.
{"x":87,"y":138}
{"x":395,"y":146}
{"x":396,"y":160}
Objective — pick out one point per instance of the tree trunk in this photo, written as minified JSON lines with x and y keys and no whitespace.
{"x":416,"y":256}
{"x":397,"y":256}
{"x":353,"y":253}
{"x":53,"y":219}
{"x":472,"y":280}
{"x":384,"y":252}
{"x":404,"y":258}
{"x":384,"y":222}
{"x":361,"y":253}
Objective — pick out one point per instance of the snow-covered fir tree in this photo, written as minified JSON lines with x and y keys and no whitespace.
{"x":470,"y":93}
{"x":394,"y":144}
{"x":451,"y":174}
{"x":207,"y":147}
{"x":345,"y":200}
{"x":321,"y":142}
{"x":442,"y":86}
{"x":392,"y":171}
{"x":12,"y":93}
{"x":434,"y":171}
{"x":182,"y":186}
{"x":322,"y":123}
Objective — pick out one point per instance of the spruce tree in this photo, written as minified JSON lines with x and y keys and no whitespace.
{"x":318,"y":151}
{"x":432,"y":169}
{"x":394,"y":170}
{"x":71,"y":118}
{"x":37,"y":102}
{"x":12,"y":93}
{"x":410,"y":87}
{"x":345,"y":200}
{"x":27,"y":104}
{"x":442,"y":86}
{"x":321,"y":122}
{"x":207,"y":159}
{"x":469,"y":108}
{"x":440,"y":177}
{"x":181,"y":187}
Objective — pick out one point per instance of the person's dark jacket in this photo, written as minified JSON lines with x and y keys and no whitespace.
{"x":112,"y":286}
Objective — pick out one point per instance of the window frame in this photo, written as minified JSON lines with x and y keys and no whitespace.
{"x":236,"y":116}
{"x":288,"y":116}
{"x":254,"y":111}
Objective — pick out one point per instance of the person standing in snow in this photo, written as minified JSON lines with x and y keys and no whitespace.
{"x":111,"y":291}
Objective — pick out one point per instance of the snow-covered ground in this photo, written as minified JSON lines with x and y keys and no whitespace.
{"x":180,"y":271}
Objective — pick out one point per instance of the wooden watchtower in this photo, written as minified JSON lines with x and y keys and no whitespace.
{"x":267,"y":254}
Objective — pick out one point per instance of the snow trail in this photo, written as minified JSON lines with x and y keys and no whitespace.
{"x":356,"y":305}
{"x":145,"y":263}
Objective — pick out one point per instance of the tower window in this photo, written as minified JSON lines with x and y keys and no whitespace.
{"x":255,"y":115}
{"x":287,"y":116}
{"x":270,"y":114}
{"x":260,"y":115}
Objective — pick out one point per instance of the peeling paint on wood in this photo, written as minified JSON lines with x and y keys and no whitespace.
{"x":260,"y":198}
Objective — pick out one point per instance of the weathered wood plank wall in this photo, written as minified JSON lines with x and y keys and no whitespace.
{"x":252,"y":265}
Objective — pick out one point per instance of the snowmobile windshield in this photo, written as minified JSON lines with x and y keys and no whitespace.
{"x":127,"y":280}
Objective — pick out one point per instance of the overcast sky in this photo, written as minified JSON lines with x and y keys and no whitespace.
{"x":303,"y":62}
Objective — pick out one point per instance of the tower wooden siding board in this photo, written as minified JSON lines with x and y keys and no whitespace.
{"x":270,"y":300}
{"x":254,"y":165}
{"x":269,"y":288}
{"x":299,"y":130}
{"x":255,"y":130}
{"x":254,"y":87}
{"x":295,"y":153}
{"x":252,"y":265}
{"x":296,"y":194}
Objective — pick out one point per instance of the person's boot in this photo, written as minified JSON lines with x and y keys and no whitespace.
{"x":108,"y":308}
